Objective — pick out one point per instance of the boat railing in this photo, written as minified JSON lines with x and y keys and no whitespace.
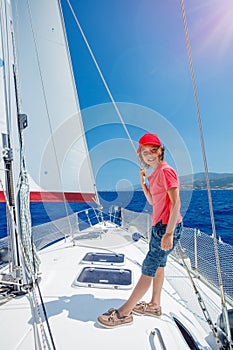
{"x":200,"y":256}
{"x":137,"y":222}
{"x":53,"y":231}
{"x":198,"y":246}
{"x":69,"y":226}
{"x":199,"y":252}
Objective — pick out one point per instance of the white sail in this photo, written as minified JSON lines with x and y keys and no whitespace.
{"x":49,"y":98}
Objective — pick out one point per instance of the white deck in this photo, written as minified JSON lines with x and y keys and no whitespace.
{"x":72,"y":311}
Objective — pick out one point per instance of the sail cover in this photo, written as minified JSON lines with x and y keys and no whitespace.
{"x":56,"y":152}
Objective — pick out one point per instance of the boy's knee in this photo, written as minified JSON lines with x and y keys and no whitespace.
{"x":160,"y":270}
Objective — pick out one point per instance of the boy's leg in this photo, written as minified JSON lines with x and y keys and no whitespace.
{"x":157,"y":286}
{"x":140,"y":289}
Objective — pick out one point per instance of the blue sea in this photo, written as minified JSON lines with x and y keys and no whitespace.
{"x":195,"y":210}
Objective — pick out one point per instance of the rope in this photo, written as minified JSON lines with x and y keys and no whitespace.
{"x":102,"y":77}
{"x":24,"y":192}
{"x":34,"y":281}
{"x":46,"y":317}
{"x":206,"y":170}
{"x":199,"y":298}
{"x":25,"y":221}
{"x":35,"y":307}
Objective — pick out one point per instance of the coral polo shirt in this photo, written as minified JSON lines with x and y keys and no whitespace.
{"x":162,"y":179}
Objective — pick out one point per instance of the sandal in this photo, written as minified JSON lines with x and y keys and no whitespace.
{"x":112,"y":319}
{"x":143,"y":308}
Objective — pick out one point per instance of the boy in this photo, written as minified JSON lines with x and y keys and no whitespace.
{"x":163,"y":195}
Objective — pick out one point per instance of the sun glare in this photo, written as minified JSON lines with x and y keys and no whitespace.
{"x":213,"y":26}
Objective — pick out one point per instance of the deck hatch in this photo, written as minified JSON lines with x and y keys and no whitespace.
{"x":104,"y":258}
{"x":102,"y":277}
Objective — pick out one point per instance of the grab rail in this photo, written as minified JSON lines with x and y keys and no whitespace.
{"x":156,"y":332}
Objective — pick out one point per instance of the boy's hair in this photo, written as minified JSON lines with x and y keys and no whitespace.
{"x":160,"y":150}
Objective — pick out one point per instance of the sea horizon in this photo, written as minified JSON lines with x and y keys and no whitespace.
{"x":194,"y":209}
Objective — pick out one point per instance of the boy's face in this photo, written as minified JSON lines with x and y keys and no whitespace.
{"x":149,"y":155}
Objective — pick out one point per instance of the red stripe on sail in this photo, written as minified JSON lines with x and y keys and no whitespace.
{"x":57,"y":197}
{"x":2,"y":197}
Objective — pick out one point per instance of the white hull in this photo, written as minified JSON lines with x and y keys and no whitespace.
{"x":73,"y":310}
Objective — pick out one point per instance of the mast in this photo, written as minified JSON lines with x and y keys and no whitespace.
{"x":10,"y":139}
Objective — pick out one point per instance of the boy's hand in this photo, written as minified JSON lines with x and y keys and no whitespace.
{"x":142,"y":175}
{"x":167,"y":241}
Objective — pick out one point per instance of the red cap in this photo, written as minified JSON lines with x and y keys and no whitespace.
{"x":149,"y":139}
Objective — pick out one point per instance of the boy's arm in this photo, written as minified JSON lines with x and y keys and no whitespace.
{"x":144,"y":186}
{"x":167,"y":240}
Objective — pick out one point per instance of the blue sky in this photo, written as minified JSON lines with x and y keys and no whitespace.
{"x":140,"y":48}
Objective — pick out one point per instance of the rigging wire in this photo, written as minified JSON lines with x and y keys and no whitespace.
{"x":200,"y":300}
{"x":102,"y":77}
{"x":188,"y":46}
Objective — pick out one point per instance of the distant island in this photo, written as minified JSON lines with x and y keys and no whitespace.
{"x":218,"y":181}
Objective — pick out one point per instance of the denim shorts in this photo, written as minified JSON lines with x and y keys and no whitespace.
{"x":156,"y":257}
